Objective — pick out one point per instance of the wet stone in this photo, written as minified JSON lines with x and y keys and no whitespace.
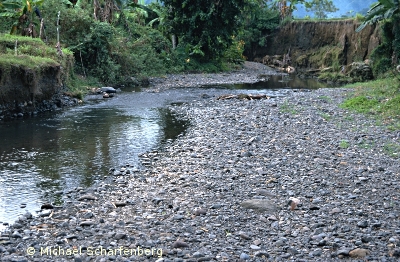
{"x":220,"y":191}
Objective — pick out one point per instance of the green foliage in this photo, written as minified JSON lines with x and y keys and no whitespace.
{"x":359,"y":18}
{"x":32,"y":54}
{"x":75,"y":23}
{"x":392,"y":149}
{"x":259,"y":21}
{"x":234,"y":54}
{"x":386,"y":55}
{"x":344,"y":144}
{"x":321,"y":7}
{"x":361,"y":104}
{"x":204,"y":28}
{"x":381,"y":98}
{"x":381,"y":10}
{"x":21,"y":15}
{"x":96,"y":52}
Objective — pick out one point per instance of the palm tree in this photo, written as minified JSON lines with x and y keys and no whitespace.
{"x":383,"y":9}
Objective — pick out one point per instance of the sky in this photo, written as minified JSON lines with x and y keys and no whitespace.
{"x":344,"y":6}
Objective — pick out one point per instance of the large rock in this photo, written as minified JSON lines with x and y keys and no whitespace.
{"x":108,"y":89}
{"x":360,"y":71}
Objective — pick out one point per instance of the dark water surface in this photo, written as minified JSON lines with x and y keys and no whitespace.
{"x":44,"y":156}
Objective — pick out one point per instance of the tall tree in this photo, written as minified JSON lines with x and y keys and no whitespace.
{"x":320,"y":7}
{"x":206,"y":27}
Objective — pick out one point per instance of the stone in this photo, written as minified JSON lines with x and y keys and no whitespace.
{"x":244,"y":256}
{"x":199,"y":211}
{"x":359,"y":253}
{"x":87,"y":197}
{"x":179,"y":244}
{"x":87,"y":223}
{"x":262,"y":205}
{"x":108,"y":89}
{"x":362,"y":224}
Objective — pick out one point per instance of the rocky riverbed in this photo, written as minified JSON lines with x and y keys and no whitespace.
{"x":289,"y":179}
{"x":249,"y":73}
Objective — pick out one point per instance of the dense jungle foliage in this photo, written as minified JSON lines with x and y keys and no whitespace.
{"x":121,"y":41}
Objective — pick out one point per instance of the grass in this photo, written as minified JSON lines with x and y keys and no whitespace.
{"x":29,"y":62}
{"x":379,"y":99}
{"x":392,"y":149}
{"x":326,"y":116}
{"x":287,"y":108}
{"x":344,"y":144}
{"x":325,"y":98}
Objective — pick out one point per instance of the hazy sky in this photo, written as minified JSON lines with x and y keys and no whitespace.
{"x":344,"y":6}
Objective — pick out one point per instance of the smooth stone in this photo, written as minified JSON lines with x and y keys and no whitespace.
{"x":335,"y":210}
{"x":343,"y":251}
{"x":244,"y":256}
{"x":87,"y":223}
{"x":260,"y":205}
{"x":179,"y":244}
{"x":45,"y":213}
{"x":359,"y":252}
{"x":199,"y":212}
{"x":262,"y":254}
{"x":254,"y":247}
{"x":87,"y":197}
{"x":244,"y":236}
{"x":108,"y":89}
{"x":362,"y":224}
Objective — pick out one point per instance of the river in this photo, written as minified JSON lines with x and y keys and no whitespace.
{"x":45,"y":156}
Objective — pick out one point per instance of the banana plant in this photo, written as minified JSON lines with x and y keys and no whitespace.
{"x":23,"y":12}
{"x":138,"y":10}
{"x":381,"y":10}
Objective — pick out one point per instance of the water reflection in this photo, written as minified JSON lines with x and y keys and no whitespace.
{"x":42,"y":157}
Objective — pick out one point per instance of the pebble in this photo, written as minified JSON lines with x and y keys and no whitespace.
{"x":220,"y":191}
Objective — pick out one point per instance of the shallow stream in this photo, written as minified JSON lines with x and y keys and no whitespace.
{"x":43,"y":157}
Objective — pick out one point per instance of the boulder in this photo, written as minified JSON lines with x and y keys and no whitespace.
{"x":108,"y":89}
{"x":360,"y":71}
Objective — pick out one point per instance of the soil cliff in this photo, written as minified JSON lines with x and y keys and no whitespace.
{"x":20,"y":86}
{"x":321,"y":44}
{"x":32,"y":75}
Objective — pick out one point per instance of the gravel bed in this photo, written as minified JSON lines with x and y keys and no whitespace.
{"x":250,"y":73}
{"x":292,"y":179}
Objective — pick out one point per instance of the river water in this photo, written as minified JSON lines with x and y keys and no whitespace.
{"x":43,"y":157}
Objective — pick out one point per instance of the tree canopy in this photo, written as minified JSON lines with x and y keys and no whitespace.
{"x":205,"y":27}
{"x":320,"y":7}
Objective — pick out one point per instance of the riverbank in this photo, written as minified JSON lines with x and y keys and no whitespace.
{"x":249,"y":73}
{"x":221,"y":192}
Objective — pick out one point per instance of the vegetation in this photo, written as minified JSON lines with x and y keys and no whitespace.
{"x":259,"y":20}
{"x":321,"y":7}
{"x":31,"y":54}
{"x":379,"y":99}
{"x":381,"y":10}
{"x":344,"y":144}
{"x":204,"y":28}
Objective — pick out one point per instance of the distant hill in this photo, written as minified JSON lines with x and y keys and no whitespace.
{"x":346,"y":8}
